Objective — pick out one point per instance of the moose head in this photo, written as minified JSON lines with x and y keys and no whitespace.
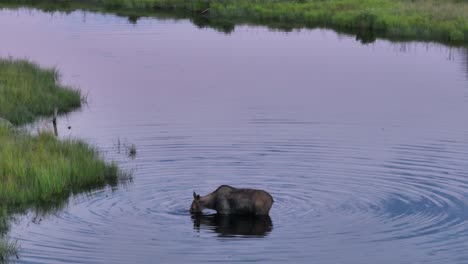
{"x":196,"y":206}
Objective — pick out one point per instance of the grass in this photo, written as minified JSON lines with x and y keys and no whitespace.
{"x":27,"y":92}
{"x":6,"y":248}
{"x":419,"y":19}
{"x":132,"y":151}
{"x":434,"y":20}
{"x":40,"y":169}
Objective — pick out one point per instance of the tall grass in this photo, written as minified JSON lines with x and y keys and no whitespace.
{"x":419,"y":19}
{"x":6,"y":248}
{"x":27,"y":92}
{"x":41,"y":169}
{"x":38,"y":169}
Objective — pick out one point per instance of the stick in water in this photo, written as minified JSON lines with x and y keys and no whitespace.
{"x":54,"y":121}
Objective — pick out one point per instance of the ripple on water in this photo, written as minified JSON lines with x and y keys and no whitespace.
{"x":418,"y":195}
{"x":354,"y":178}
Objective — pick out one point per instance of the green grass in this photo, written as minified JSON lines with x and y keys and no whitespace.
{"x":28,"y":92}
{"x":39,"y":170}
{"x":432,"y":20}
{"x":414,"y":19}
{"x":6,"y":248}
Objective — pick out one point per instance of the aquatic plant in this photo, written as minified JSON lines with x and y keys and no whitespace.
{"x":7,"y":248}
{"x":132,"y":151}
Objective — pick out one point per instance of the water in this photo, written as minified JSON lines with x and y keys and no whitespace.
{"x":363,"y":147}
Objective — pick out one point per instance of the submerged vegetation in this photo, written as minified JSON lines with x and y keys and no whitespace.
{"x":445,"y":21}
{"x":6,"y":248}
{"x":40,"y":169}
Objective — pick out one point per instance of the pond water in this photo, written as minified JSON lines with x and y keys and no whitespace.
{"x":363,"y":147}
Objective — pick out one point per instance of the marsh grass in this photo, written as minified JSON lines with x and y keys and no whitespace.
{"x":28,"y":92}
{"x":39,"y":170}
{"x":411,"y":19}
{"x":7,"y":248}
{"x":132,"y":151}
{"x":432,"y":20}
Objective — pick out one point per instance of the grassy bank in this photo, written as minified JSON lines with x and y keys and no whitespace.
{"x":444,"y":21}
{"x":27,"y":92}
{"x":41,"y":169}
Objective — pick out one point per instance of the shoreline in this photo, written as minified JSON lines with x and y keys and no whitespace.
{"x":401,"y":20}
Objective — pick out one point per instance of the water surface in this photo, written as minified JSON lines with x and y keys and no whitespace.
{"x":363,"y":147}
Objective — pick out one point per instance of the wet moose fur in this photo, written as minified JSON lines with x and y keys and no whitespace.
{"x":229,"y":200}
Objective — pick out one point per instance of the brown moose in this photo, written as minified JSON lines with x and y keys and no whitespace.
{"x":228,"y":200}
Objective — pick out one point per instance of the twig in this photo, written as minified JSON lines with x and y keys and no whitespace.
{"x":54,"y":121}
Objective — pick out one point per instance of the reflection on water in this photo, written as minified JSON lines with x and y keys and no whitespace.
{"x":364,"y":35}
{"x":233,"y":225}
{"x":363,"y":147}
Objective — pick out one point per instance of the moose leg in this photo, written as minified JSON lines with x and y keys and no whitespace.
{"x":223,"y":207}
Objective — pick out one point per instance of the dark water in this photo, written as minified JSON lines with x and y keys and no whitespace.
{"x":364,"y":148}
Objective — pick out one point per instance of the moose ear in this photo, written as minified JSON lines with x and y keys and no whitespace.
{"x":194,"y":195}
{"x":198,"y":197}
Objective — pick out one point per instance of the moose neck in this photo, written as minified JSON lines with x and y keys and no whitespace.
{"x":208,"y":201}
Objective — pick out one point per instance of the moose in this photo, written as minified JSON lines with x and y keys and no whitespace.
{"x":227,"y":200}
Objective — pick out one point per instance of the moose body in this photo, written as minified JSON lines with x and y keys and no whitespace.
{"x":228,"y":200}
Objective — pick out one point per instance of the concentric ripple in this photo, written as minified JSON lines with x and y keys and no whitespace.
{"x":364,"y":148}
